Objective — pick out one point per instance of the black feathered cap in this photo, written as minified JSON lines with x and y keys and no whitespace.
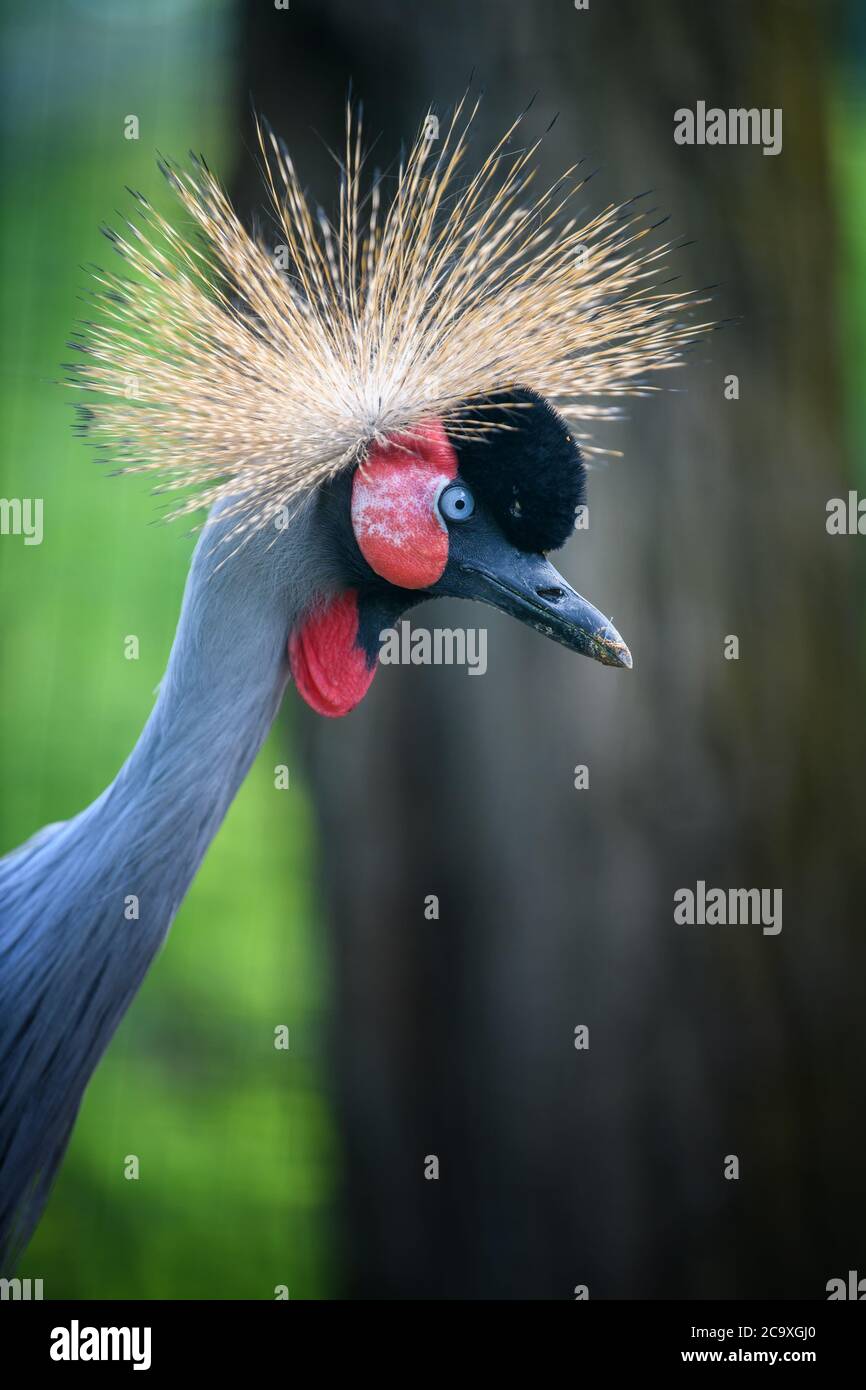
{"x":526,"y":467}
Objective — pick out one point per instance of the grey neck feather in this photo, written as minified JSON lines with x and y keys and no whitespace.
{"x":72,"y":951}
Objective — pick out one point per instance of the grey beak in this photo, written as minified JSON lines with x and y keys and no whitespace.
{"x":531,"y":590}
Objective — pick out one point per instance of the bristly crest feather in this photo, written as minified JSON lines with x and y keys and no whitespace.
{"x":235,"y":379}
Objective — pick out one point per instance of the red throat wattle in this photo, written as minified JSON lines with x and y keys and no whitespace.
{"x":329,"y":667}
{"x":401,"y":537}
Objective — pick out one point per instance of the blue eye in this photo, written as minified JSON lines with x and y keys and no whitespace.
{"x":456,"y":503}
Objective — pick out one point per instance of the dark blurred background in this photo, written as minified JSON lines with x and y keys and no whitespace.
{"x":455,"y":1037}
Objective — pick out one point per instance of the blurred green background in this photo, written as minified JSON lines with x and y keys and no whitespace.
{"x":234,"y":1137}
{"x":303,"y":1168}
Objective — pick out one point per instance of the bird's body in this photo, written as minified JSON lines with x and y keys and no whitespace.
{"x":331,"y":517}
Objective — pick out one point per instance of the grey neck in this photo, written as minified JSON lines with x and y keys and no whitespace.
{"x":224,"y":682}
{"x":85,"y":905}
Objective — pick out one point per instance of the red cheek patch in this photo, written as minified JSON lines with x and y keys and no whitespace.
{"x":394,"y":516}
{"x":330,"y":669}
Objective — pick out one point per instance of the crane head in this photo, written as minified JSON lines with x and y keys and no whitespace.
{"x":464,"y":513}
{"x":376,"y":375}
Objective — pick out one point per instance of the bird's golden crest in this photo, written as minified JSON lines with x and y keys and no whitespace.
{"x":236,"y":373}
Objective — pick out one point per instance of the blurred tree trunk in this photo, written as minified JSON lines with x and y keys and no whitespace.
{"x":605,"y":1167}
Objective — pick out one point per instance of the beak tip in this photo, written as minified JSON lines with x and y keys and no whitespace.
{"x":617,"y":654}
{"x":612,"y":650}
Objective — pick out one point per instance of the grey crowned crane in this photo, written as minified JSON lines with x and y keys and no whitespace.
{"x":389,"y":407}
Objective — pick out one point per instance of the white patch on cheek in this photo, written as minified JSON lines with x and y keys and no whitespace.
{"x":397,"y":507}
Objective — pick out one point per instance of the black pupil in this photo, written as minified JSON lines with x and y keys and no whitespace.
{"x":460,"y":504}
